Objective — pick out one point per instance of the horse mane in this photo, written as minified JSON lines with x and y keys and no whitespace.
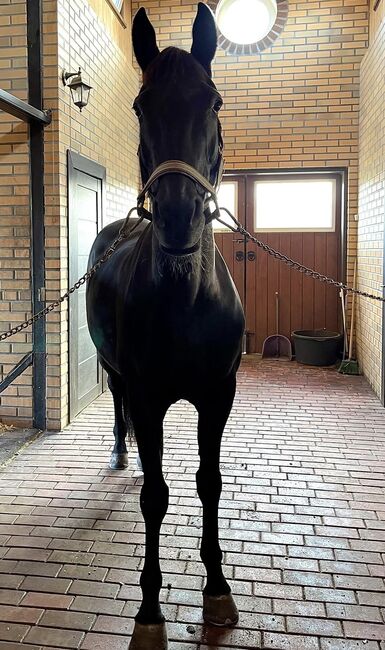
{"x":173,"y":64}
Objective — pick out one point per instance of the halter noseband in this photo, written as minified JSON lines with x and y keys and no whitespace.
{"x":180,"y":167}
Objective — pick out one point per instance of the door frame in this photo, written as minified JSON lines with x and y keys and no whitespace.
{"x":343,"y":172}
{"x":341,"y":175}
{"x":76,"y":162}
{"x":237,"y":240}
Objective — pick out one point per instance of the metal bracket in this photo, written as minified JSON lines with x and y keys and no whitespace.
{"x":24,"y":363}
{"x":41,"y":294}
{"x":23,"y":110}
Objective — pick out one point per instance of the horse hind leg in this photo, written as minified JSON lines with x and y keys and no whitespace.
{"x":119,"y":456}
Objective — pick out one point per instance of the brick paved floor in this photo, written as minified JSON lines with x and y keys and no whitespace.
{"x":302,"y":524}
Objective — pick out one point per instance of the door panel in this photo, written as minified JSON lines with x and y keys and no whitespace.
{"x":231,"y":245}
{"x":304,"y":303}
{"x":85,"y":213}
{"x":292,"y":314}
{"x":308,"y":284}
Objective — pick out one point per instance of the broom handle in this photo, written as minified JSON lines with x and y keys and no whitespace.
{"x":353,"y":310}
{"x":343,"y":309}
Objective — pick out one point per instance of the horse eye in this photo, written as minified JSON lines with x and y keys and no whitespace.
{"x":217,"y":106}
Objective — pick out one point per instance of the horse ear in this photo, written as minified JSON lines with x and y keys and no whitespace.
{"x":143,"y":39}
{"x":204,"y":37}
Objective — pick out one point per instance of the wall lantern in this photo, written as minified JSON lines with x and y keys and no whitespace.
{"x":80,"y":91}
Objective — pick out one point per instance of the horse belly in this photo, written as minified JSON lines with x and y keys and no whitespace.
{"x":182,"y":355}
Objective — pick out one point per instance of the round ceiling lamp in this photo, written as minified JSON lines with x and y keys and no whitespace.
{"x":246,"y":21}
{"x":249,"y":26}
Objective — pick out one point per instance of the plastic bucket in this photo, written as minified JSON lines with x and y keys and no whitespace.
{"x":317,"y":347}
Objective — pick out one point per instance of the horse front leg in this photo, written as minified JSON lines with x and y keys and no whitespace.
{"x":218,"y":604}
{"x":119,"y":456}
{"x":150,"y":629}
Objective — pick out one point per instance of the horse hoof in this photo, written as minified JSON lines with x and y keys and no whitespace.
{"x":149,"y":637}
{"x":220,"y":610}
{"x":119,"y":461}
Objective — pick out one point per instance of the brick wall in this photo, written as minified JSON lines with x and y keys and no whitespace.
{"x":376,"y":17}
{"x":76,"y":33}
{"x":89,"y":35}
{"x":296,"y":104}
{"x":15,"y":285}
{"x":372,"y":203}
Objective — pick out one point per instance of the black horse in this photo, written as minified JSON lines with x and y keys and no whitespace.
{"x":164,"y":313}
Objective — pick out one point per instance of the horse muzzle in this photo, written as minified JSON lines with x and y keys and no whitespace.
{"x":178,"y":225}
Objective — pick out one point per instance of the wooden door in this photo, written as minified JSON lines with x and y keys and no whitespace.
{"x":232,"y":195}
{"x":304,"y":302}
{"x":85,"y":218}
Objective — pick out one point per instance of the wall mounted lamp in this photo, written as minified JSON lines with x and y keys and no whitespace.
{"x":80,"y":91}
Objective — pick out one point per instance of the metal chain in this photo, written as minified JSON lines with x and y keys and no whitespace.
{"x":123,"y":234}
{"x":292,"y":263}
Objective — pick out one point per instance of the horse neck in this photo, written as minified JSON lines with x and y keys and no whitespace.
{"x":187,"y":277}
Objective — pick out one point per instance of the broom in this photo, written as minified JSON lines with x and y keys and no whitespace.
{"x":349,"y":366}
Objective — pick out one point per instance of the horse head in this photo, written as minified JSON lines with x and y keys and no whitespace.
{"x":177,"y":108}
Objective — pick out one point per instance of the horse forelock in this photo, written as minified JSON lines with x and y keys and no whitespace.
{"x":173,"y":65}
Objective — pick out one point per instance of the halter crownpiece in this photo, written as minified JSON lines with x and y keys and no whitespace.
{"x":180,"y":167}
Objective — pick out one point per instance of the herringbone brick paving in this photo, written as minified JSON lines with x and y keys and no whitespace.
{"x":302,"y":522}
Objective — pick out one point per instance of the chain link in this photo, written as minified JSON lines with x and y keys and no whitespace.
{"x":292,"y":263}
{"x":123,"y":234}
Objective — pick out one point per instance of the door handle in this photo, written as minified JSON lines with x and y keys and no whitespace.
{"x":239,"y":256}
{"x":251,"y":256}
{"x":239,"y":241}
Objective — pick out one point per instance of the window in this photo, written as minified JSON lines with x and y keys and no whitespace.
{"x":227,"y":198}
{"x":249,"y":26}
{"x":306,"y":204}
{"x":118,"y":4}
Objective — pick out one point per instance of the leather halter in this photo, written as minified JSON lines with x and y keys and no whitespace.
{"x":180,"y":167}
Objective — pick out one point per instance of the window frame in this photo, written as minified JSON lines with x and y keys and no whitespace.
{"x":114,"y":4}
{"x":298,"y":177}
{"x":120,"y":15}
{"x":217,"y":226}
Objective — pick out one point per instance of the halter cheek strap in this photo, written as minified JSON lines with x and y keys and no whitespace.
{"x":180,"y":167}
